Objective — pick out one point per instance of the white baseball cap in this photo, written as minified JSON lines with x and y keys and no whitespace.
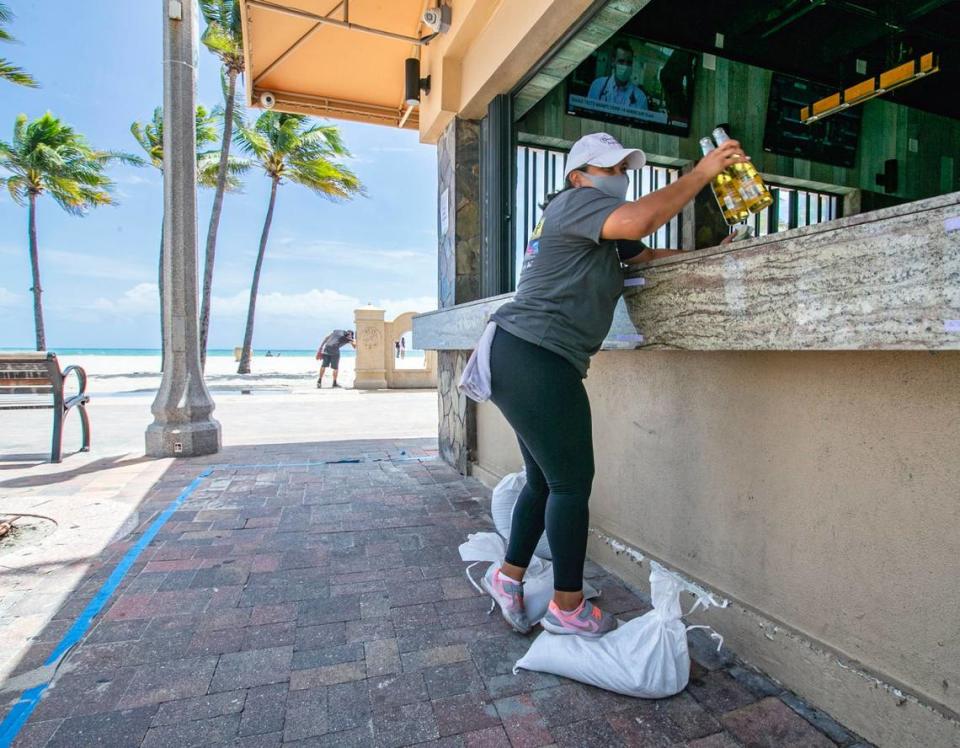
{"x":600,"y":149}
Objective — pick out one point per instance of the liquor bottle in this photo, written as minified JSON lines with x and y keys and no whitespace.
{"x":748,"y":179}
{"x":731,"y":204}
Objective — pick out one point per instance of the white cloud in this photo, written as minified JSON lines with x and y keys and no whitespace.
{"x":315,"y":304}
{"x":8,"y":298}
{"x":136,"y":179}
{"x":306,"y":306}
{"x":97,"y":266}
{"x":412,"y":261}
{"x":305,"y":309}
{"x":395,"y":307}
{"x":143,"y":298}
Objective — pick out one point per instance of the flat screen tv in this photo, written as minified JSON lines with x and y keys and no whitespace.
{"x":832,"y":140}
{"x":629,"y":81}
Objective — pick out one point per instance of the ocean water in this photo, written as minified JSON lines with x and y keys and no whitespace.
{"x":346,"y":352}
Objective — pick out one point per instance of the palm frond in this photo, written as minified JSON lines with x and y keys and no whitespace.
{"x":17,"y":187}
{"x":19,"y":131}
{"x":47,"y":155}
{"x":223,"y":35}
{"x":219,"y":41}
{"x":8,"y":71}
{"x":207,"y":126}
{"x":208,"y":169}
{"x":13,"y":74}
{"x":150,"y":138}
{"x":253,"y":143}
{"x":127,"y":159}
{"x":292,"y":147}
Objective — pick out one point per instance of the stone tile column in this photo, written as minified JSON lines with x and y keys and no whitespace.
{"x":458,"y":183}
{"x":457,"y":435}
{"x":183,"y":425}
{"x":371,"y":348}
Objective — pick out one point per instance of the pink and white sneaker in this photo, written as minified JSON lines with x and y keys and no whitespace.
{"x":586,"y":620}
{"x":508,"y":594}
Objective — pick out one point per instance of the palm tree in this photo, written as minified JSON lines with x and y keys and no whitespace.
{"x":9,"y":71}
{"x":224,"y":38}
{"x":149,"y":137}
{"x":288,"y":147}
{"x":48,"y":156}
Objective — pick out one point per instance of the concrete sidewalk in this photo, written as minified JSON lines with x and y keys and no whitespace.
{"x":326,"y":605}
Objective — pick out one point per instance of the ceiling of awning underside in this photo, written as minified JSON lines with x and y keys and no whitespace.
{"x":330,"y":67}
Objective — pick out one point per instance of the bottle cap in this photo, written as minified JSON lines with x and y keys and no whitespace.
{"x":720,"y":135}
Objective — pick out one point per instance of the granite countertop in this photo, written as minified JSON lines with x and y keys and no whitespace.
{"x":888,"y":279}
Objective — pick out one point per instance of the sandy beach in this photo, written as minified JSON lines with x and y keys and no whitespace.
{"x":140,"y":374}
{"x":277,"y":403}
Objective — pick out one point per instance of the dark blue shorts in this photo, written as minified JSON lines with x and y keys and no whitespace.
{"x":331,"y":359}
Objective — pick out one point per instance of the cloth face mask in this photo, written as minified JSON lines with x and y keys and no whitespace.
{"x":615,"y":185}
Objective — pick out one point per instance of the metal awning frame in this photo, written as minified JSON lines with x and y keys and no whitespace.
{"x":321,"y":105}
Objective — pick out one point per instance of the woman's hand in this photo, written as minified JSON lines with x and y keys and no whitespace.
{"x":644,"y":216}
{"x":720,"y":158}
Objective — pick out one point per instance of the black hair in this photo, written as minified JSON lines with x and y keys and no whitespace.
{"x":566,"y":186}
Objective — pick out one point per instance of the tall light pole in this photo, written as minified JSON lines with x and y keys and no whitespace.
{"x":183,"y":425}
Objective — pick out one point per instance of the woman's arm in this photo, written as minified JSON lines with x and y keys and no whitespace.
{"x":649,"y":255}
{"x":641,"y":218}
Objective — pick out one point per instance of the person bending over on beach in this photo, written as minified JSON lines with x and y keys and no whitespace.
{"x":329,"y":352}
{"x":563,"y":308}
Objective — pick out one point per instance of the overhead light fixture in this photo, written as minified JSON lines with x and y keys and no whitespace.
{"x":870,"y":88}
{"x":413,"y":84}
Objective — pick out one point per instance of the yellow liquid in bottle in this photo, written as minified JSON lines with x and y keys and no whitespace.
{"x":748,"y":180}
{"x":752,"y":187}
{"x":731,"y":204}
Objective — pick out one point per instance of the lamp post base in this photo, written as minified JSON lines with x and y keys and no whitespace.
{"x":183,"y":439}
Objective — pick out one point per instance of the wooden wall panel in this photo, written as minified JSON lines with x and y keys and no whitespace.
{"x":737,"y":93}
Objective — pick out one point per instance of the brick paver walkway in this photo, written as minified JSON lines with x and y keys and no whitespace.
{"x":326,"y":605}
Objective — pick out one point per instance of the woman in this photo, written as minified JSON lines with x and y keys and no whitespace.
{"x":540,"y":352}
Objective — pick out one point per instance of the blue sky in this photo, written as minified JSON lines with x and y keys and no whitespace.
{"x":99,"y":65}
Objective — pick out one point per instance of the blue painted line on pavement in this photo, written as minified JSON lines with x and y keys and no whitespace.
{"x":14,"y":721}
{"x":29,"y":699}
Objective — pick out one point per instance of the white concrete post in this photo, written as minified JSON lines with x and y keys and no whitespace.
{"x":371,"y":373}
{"x":183,"y":425}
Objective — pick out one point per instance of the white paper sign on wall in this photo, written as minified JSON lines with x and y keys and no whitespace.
{"x":444,"y":211}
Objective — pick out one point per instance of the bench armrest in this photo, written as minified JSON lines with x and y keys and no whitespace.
{"x":81,"y":378}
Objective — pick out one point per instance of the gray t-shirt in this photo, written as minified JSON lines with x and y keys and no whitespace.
{"x":570,"y":281}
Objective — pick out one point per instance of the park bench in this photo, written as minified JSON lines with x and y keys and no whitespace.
{"x":34,"y":380}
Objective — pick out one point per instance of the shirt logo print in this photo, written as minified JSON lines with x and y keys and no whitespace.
{"x":533,"y":246}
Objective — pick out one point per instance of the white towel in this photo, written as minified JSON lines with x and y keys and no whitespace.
{"x":475,"y":381}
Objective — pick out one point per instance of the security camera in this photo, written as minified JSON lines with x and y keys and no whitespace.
{"x":268,"y":100}
{"x":437,"y":19}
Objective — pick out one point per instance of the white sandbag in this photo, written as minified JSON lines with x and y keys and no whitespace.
{"x":646,"y":657}
{"x":501,"y":507}
{"x":537,"y":582}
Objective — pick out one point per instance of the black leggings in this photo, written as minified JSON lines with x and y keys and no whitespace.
{"x":542,"y":396}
